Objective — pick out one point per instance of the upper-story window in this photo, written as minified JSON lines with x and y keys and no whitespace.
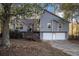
{"x":19,"y":26}
{"x":49,"y":25}
{"x":60,"y":27}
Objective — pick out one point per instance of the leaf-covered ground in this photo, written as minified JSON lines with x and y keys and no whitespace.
{"x":30,"y":48}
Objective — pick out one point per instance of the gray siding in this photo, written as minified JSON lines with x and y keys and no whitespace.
{"x":48,"y":18}
{"x":43,"y":22}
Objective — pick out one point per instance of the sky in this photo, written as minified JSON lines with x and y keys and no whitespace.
{"x":52,"y":8}
{"x":60,"y":14}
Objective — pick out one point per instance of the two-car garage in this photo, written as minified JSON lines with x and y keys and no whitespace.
{"x":53,"y":27}
{"x":54,"y":36}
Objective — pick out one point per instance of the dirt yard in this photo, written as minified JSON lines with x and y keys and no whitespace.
{"x":30,"y":48}
{"x":74,"y":41}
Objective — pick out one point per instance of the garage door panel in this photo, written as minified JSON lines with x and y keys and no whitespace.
{"x":54,"y":36}
{"x":47,"y":36}
{"x":59,"y":36}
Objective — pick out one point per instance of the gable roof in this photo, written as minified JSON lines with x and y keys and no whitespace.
{"x":56,"y":16}
{"x":27,"y":21}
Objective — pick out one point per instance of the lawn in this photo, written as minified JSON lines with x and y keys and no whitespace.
{"x":30,"y":48}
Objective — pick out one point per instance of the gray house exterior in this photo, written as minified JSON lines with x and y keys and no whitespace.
{"x":53,"y":27}
{"x":22,"y":25}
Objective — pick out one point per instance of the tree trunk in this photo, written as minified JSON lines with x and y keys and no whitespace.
{"x":77,"y":31}
{"x":72,"y":28}
{"x":5,"y":34}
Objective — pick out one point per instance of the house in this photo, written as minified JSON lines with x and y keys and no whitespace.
{"x":22,"y":25}
{"x":28,"y":25}
{"x":53,"y":27}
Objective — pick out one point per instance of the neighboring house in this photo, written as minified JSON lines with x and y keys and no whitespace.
{"x":28,"y":25}
{"x":53,"y":27}
{"x":22,"y":25}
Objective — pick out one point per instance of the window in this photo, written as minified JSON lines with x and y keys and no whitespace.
{"x":21,"y":26}
{"x":60,"y":27}
{"x":49,"y":25}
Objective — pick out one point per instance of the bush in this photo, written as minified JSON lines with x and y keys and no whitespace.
{"x":0,"y":34}
{"x":31,"y":36}
{"x":72,"y":37}
{"x":15,"y":34}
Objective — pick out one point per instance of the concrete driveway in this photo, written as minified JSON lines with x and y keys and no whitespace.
{"x":66,"y":46}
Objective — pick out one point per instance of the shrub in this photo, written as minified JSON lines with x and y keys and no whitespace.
{"x":15,"y":34}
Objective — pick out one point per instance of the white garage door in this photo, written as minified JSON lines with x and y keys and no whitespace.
{"x":47,"y":36}
{"x":59,"y":36}
{"x":54,"y":36}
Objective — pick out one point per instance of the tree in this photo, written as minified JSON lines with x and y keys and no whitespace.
{"x":70,"y":12}
{"x":5,"y":22}
{"x":8,"y":11}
